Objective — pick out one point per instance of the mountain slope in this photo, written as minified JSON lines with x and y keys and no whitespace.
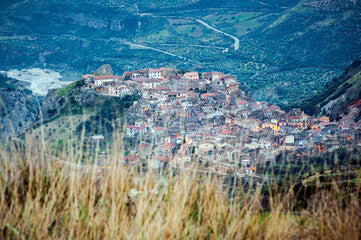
{"x":308,"y":46}
{"x":19,"y":109}
{"x":338,"y":94}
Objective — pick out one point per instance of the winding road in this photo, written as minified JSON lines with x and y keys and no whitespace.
{"x":188,"y":45}
{"x":236,"y":40}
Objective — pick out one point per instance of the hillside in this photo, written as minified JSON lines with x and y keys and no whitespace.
{"x":11,"y":84}
{"x":307,"y":46}
{"x":73,"y":111}
{"x":19,"y":109}
{"x":338,"y":94}
{"x":288,"y":50}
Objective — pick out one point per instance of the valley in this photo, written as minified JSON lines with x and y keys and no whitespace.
{"x":279,"y":68}
{"x":167,"y":117}
{"x":180,"y":119}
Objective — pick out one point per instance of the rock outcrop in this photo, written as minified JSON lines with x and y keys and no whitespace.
{"x":72,"y":101}
{"x":18,"y":111}
{"x":106,"y":69}
{"x":338,"y":94}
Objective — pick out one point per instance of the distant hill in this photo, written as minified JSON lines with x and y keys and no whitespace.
{"x":288,"y":50}
{"x":338,"y":94}
{"x":305,"y":47}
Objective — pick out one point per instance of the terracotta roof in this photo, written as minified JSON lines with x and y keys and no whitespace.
{"x":168,"y":145}
{"x":152,"y":70}
{"x":226,"y":132}
{"x":86,"y":76}
{"x":161,"y":158}
{"x":140,"y":79}
{"x":103,"y":77}
{"x":273,"y":108}
{"x":134,"y":127}
{"x":131,"y":158}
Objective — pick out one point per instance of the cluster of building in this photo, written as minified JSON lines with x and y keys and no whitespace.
{"x":205,"y":119}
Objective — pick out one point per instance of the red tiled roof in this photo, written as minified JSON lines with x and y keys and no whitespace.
{"x":131,"y":157}
{"x":226,"y":132}
{"x":151,"y":70}
{"x":102,"y":77}
{"x":161,"y":88}
{"x":140,"y":79}
{"x":273,"y":108}
{"x":328,"y":123}
{"x":161,"y":158}
{"x":168,"y":145}
{"x":134,"y":127}
{"x":86,"y":76}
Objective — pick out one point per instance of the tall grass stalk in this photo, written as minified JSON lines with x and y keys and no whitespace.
{"x":42,"y":199}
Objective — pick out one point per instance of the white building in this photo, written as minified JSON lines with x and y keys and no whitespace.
{"x":119,"y":91}
{"x":154,"y":73}
{"x":150,"y":83}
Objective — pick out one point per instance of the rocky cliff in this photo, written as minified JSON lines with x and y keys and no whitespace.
{"x":71,"y":99}
{"x":19,"y":109}
{"x":106,"y":69}
{"x":338,"y":94}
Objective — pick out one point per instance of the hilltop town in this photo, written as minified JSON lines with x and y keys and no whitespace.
{"x":206,"y":119}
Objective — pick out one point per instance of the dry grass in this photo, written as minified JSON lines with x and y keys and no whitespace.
{"x":40,"y":200}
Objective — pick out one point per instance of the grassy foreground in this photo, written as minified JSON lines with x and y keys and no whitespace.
{"x":41,"y":200}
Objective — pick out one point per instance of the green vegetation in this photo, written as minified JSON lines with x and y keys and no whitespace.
{"x":161,"y":36}
{"x":66,"y":90}
{"x":106,"y":111}
{"x":186,"y":29}
{"x":73,"y":111}
{"x":288,"y":50}
{"x":299,"y":167}
{"x":348,"y":84}
{"x":11,"y":84}
{"x":239,"y":23}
